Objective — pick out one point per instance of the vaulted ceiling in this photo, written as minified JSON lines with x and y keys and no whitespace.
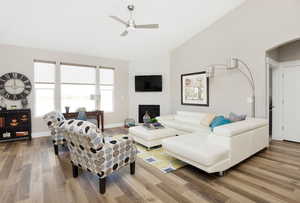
{"x":83,"y":26}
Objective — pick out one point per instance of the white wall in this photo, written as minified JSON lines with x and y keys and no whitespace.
{"x":247,"y":33}
{"x":19,"y":59}
{"x":150,"y":66}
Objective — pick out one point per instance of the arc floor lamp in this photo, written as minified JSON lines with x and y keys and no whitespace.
{"x":235,"y":64}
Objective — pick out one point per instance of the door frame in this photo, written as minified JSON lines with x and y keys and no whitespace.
{"x":270,"y":64}
{"x":288,"y":64}
{"x":280,"y":101}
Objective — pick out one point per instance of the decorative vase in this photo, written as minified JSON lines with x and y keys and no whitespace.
{"x":82,"y":116}
{"x":67,"y":109}
{"x":146,"y":118}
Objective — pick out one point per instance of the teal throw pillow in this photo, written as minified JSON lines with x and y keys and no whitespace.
{"x":218,"y":121}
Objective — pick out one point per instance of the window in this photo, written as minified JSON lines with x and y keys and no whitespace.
{"x":106,"y":82}
{"x":78,"y":83}
{"x":44,"y":83}
{"x":71,"y":85}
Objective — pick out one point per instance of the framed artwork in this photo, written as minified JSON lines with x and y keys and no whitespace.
{"x":195,"y":89}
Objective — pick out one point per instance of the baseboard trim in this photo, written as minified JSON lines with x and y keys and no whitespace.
{"x":40,"y":134}
{"x":113,"y":125}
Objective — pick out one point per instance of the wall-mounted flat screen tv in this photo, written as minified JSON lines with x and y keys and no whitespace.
{"x":148,"y":83}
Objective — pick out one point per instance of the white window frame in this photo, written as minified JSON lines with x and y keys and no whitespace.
{"x":112,"y":85}
{"x":57,"y":85}
{"x":46,"y":83}
{"x":67,"y":83}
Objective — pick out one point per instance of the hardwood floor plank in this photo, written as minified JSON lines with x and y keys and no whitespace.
{"x":171,"y":192}
{"x":125,"y":199}
{"x":237,"y":189}
{"x":36,"y":191}
{"x":282,"y":158}
{"x":286,"y":144}
{"x":289,"y":152}
{"x":140,"y":188}
{"x":233,"y":195}
{"x":254,"y":189}
{"x":143,"y":173}
{"x":264,"y":187}
{"x":7,"y":166}
{"x":92,"y":195}
{"x":31,"y":172}
{"x":151,"y":186}
{"x":194,"y":197}
{"x":173,"y":183}
{"x":266,"y":177}
{"x":204,"y":189}
{"x":278,"y":170}
{"x":127,"y":189}
{"x":7,"y":147}
{"x":8,"y":193}
{"x":24,"y":184}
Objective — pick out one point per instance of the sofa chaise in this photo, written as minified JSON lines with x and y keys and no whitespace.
{"x":214,"y":150}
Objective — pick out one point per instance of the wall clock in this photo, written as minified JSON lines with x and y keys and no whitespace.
{"x":14,"y":86}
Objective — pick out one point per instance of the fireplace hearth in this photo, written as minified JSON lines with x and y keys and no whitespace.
{"x":153,"y":110}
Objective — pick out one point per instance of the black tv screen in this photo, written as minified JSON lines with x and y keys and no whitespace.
{"x":148,"y":83}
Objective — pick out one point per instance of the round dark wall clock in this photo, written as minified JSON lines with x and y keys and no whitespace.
{"x":14,"y":86}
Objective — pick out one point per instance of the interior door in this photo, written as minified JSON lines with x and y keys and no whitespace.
{"x":291,"y":103}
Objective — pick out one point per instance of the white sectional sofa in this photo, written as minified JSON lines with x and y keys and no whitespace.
{"x":185,"y":121}
{"x":217,"y":150}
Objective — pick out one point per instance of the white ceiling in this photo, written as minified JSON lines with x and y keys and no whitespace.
{"x":83,"y":26}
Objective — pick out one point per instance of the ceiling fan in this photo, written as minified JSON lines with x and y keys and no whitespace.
{"x":130,"y":24}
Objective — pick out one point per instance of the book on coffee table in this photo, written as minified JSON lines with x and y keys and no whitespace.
{"x":153,"y":126}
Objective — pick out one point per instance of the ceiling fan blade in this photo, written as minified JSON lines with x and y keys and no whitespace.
{"x":123,"y":34}
{"x":149,"y":26}
{"x":119,"y":20}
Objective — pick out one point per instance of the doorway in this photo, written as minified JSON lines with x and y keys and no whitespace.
{"x":284,"y":100}
{"x":283,"y":85}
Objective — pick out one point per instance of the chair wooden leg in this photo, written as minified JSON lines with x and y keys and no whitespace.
{"x":56,"y":149}
{"x":132,"y":168}
{"x":75,"y":171}
{"x":102,"y":185}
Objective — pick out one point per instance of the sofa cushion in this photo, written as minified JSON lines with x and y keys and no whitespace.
{"x":184,"y":126}
{"x":196,"y":147}
{"x":235,"y":117}
{"x":240,"y":127}
{"x":189,"y":117}
{"x":218,"y":121}
{"x":146,"y":134}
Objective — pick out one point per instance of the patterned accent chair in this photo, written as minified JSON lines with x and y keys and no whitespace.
{"x":53,"y":119}
{"x":89,"y":150}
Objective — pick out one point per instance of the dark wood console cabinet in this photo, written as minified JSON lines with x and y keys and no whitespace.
{"x":15,"y":125}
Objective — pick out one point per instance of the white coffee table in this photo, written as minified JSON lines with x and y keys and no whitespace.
{"x":152,"y":137}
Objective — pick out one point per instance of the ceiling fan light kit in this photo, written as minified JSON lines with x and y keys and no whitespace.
{"x":130,"y":24}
